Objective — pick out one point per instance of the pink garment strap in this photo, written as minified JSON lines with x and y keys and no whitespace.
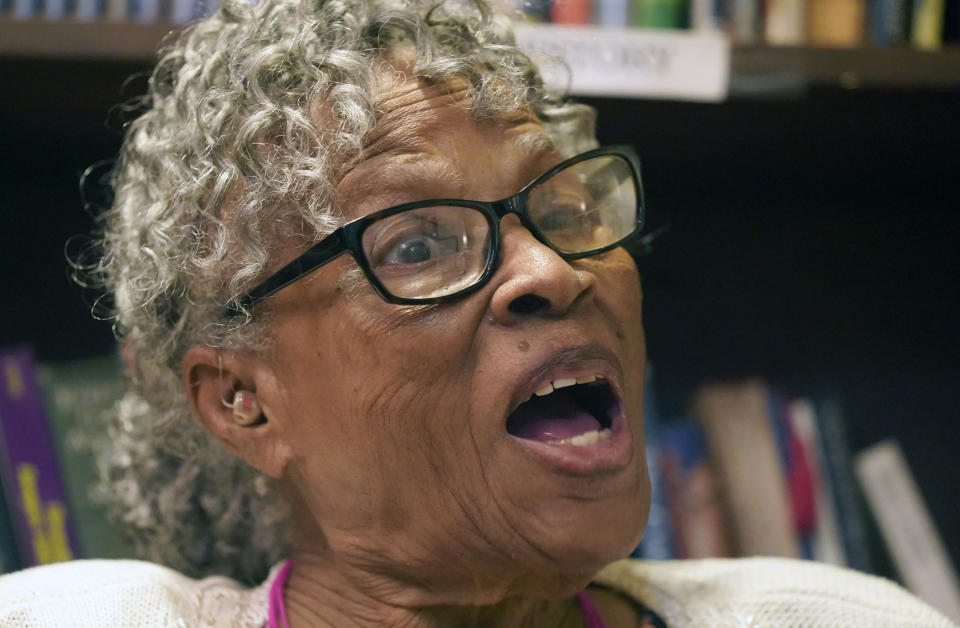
{"x":591,"y":616}
{"x":277,"y":611}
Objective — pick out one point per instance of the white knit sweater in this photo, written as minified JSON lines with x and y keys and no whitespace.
{"x":746,"y":593}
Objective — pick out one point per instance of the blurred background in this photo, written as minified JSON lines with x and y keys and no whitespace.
{"x":809,"y":248}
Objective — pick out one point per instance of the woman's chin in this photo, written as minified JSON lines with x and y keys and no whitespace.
{"x":589,"y":544}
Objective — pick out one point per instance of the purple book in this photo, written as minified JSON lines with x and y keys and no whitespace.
{"x":28,"y":466}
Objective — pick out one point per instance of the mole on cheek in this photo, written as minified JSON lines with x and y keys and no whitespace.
{"x":524,"y":345}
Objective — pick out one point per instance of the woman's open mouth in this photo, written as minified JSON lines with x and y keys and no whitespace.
{"x":567,"y":411}
{"x":575,"y":424}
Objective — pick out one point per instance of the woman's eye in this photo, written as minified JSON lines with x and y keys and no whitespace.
{"x":411,"y":251}
{"x":559,"y":217}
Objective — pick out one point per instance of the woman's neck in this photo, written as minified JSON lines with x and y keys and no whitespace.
{"x":318,"y":596}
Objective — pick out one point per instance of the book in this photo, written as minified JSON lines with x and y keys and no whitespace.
{"x":744,"y":449}
{"x":90,"y":10}
{"x":845,"y":496}
{"x":571,"y":11}
{"x":80,"y":400}
{"x":55,"y":9}
{"x":907,"y":527}
{"x":825,"y":542}
{"x":532,"y":11}
{"x":706,"y":15}
{"x":693,"y":495}
{"x":611,"y":12}
{"x":657,"y":541}
{"x":31,"y":479}
{"x":837,"y":23}
{"x":188,"y":11}
{"x":115,"y":10}
{"x":794,"y":461}
{"x":785,"y":22}
{"x":888,"y":22}
{"x":659,"y":14}
{"x":927,"y":28}
{"x":145,"y":11}
{"x":26,"y":9}
{"x":743,"y":21}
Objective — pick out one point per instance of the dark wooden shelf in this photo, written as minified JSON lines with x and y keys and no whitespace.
{"x":755,"y":69}
{"x":71,"y":40}
{"x":885,"y":68}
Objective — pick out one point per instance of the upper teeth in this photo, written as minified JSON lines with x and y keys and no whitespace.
{"x":563,"y":382}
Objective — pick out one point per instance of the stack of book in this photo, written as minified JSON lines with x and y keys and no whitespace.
{"x":142,"y":11}
{"x":834,"y":23}
{"x":924,"y":24}
{"x":754,"y":472}
{"x":52,"y":424}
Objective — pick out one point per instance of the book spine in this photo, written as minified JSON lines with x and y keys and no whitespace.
{"x":837,"y":23}
{"x":796,"y":470}
{"x":116,"y":10}
{"x":187,"y":11}
{"x":26,"y":9}
{"x":89,"y":10}
{"x":570,"y":11}
{"x":743,"y":446}
{"x":706,"y":15}
{"x":743,"y":21}
{"x":845,"y":497}
{"x":55,"y":9}
{"x":785,"y":22}
{"x":693,"y":494}
{"x":907,"y":527}
{"x":826,"y":544}
{"x":927,"y":30}
{"x":888,"y":22}
{"x":657,"y":542}
{"x":659,"y":14}
{"x":532,"y":11}
{"x":611,"y":12}
{"x":145,"y":11}
{"x":31,"y":479}
{"x":80,"y":399}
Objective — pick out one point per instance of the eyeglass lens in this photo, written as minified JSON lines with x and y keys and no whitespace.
{"x":436,"y":251}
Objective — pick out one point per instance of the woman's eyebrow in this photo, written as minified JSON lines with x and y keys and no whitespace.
{"x":536,"y":142}
{"x":407,"y":174}
{"x":407,"y":169}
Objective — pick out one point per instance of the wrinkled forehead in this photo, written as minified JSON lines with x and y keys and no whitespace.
{"x":412,"y":112}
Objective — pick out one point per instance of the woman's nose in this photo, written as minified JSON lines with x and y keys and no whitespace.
{"x":531,"y":279}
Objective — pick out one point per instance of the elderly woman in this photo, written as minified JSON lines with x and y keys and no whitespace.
{"x":386,"y":351}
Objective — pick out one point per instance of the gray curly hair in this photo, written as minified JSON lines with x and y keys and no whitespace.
{"x":228,"y":149}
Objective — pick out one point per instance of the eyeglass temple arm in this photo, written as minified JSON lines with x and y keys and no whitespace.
{"x":313,"y":258}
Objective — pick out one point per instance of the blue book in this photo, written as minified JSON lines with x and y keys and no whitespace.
{"x":611,"y":12}
{"x":888,"y":22}
{"x":696,"y":510}
{"x":657,"y":542}
{"x":845,"y":493}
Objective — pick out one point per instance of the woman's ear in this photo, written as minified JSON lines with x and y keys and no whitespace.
{"x":230,"y":394}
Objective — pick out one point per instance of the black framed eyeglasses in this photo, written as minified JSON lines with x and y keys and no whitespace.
{"x":435,"y":250}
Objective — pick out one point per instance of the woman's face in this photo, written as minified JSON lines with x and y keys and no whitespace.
{"x":396,"y":417}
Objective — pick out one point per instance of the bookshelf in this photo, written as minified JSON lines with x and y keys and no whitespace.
{"x":893,"y":68}
{"x":812,"y":220}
